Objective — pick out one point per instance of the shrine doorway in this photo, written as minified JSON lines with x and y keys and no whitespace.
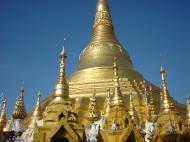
{"x":131,"y":137}
{"x":60,"y":136}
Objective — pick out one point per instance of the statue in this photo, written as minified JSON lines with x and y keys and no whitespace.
{"x":114,"y":126}
{"x":149,"y":130}
{"x":92,"y":132}
{"x":171,"y":129}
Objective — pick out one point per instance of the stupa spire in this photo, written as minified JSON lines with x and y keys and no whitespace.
{"x":166,"y":104}
{"x":132,"y":111}
{"x":3,"y":119}
{"x":103,"y":28}
{"x":107,"y":103}
{"x":61,"y":88}
{"x":117,"y":99}
{"x":37,"y":112}
{"x":19,"y":111}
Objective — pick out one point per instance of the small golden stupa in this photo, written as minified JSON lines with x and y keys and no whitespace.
{"x":170,"y":124}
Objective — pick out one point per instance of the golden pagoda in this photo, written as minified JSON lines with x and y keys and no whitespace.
{"x":59,"y":119}
{"x":97,"y":72}
{"x":121,"y":109}
{"x":170,"y":125}
{"x":95,"y":68}
{"x":118,"y":124}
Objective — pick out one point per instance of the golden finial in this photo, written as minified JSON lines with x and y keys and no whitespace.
{"x":117,"y":99}
{"x":132,"y":111}
{"x":92,"y":110}
{"x":102,"y":8}
{"x":166,"y":104}
{"x":103,"y":28}
{"x":107,"y":103}
{"x":19,"y":111}
{"x":37,"y":112}
{"x":3,"y":119}
{"x":61,"y":88}
{"x":187,"y":121}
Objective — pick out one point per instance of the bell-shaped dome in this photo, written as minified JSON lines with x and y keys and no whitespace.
{"x":96,"y":60}
{"x":104,"y":44}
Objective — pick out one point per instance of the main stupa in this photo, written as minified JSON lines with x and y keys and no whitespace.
{"x":95,"y":69}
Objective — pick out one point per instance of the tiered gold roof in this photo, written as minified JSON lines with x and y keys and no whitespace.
{"x":19,"y":111}
{"x":60,"y":99}
{"x":118,"y":110}
{"x":59,"y":114}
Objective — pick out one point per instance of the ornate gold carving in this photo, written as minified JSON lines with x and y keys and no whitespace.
{"x":19,"y":111}
{"x":92,"y":110}
{"x":102,"y":18}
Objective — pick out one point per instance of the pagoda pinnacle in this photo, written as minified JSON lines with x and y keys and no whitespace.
{"x":19,"y":111}
{"x":37,"y":112}
{"x":117,"y":99}
{"x":103,"y":28}
{"x":107,"y":103}
{"x":3,"y":119}
{"x":187,"y":121}
{"x":61,"y":88}
{"x":132,"y":111}
{"x":166,"y":104}
{"x":102,"y":16}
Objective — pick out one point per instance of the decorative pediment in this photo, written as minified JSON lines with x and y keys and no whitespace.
{"x":64,"y":128}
